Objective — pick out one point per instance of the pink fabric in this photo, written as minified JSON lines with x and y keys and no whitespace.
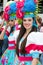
{"x":10,"y":42}
{"x":7,"y":33}
{"x":34,"y":47}
{"x":2,"y":29}
{"x":25,"y":58}
{"x":12,"y":47}
{"x":28,"y":49}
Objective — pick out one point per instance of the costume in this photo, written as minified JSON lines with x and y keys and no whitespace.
{"x":32,"y":48}
{"x":9,"y":55}
{"x":5,"y":41}
{"x":28,"y":8}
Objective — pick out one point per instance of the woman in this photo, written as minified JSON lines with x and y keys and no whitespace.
{"x":24,"y":41}
{"x":24,"y":55}
{"x":9,"y":55}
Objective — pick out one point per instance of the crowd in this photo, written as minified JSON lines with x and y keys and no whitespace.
{"x":21,"y":44}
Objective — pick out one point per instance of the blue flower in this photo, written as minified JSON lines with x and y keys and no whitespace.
{"x":12,"y":8}
{"x":29,"y":6}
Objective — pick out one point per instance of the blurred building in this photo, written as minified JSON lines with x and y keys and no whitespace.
{"x":2,"y":4}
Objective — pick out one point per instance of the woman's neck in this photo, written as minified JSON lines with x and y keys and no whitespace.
{"x":28,"y":30}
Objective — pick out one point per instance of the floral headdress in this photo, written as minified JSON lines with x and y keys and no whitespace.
{"x":10,"y":10}
{"x":27,"y":8}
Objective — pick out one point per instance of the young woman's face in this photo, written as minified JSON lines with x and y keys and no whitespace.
{"x":12,"y":22}
{"x":27,"y":23}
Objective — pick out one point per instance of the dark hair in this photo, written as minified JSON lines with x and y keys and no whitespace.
{"x":41,"y":24}
{"x":1,"y":13}
{"x":12,"y":29}
{"x":39,"y":19}
{"x":22,"y":32}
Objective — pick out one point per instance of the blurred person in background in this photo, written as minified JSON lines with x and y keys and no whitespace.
{"x":10,"y":53}
{"x":38,"y":21}
{"x":41,"y":28}
{"x":41,"y":55}
{"x":1,"y":19}
{"x":1,"y":25}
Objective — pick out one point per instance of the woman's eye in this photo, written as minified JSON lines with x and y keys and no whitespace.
{"x":24,"y":20}
{"x":29,"y":20}
{"x":11,"y":20}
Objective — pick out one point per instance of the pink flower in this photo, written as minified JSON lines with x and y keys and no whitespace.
{"x":2,"y":61}
{"x":36,"y":1}
{"x":6,"y":16}
{"x":7,"y":8}
{"x":19,"y":14}
{"x":20,"y":5}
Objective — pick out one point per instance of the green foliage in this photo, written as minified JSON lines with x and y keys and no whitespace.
{"x":19,"y":21}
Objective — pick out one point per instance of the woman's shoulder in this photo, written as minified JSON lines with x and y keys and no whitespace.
{"x":30,"y":38}
{"x":31,"y":34}
{"x":35,"y":37}
{"x":35,"y":34}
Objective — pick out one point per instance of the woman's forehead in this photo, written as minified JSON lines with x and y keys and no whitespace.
{"x":28,"y":18}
